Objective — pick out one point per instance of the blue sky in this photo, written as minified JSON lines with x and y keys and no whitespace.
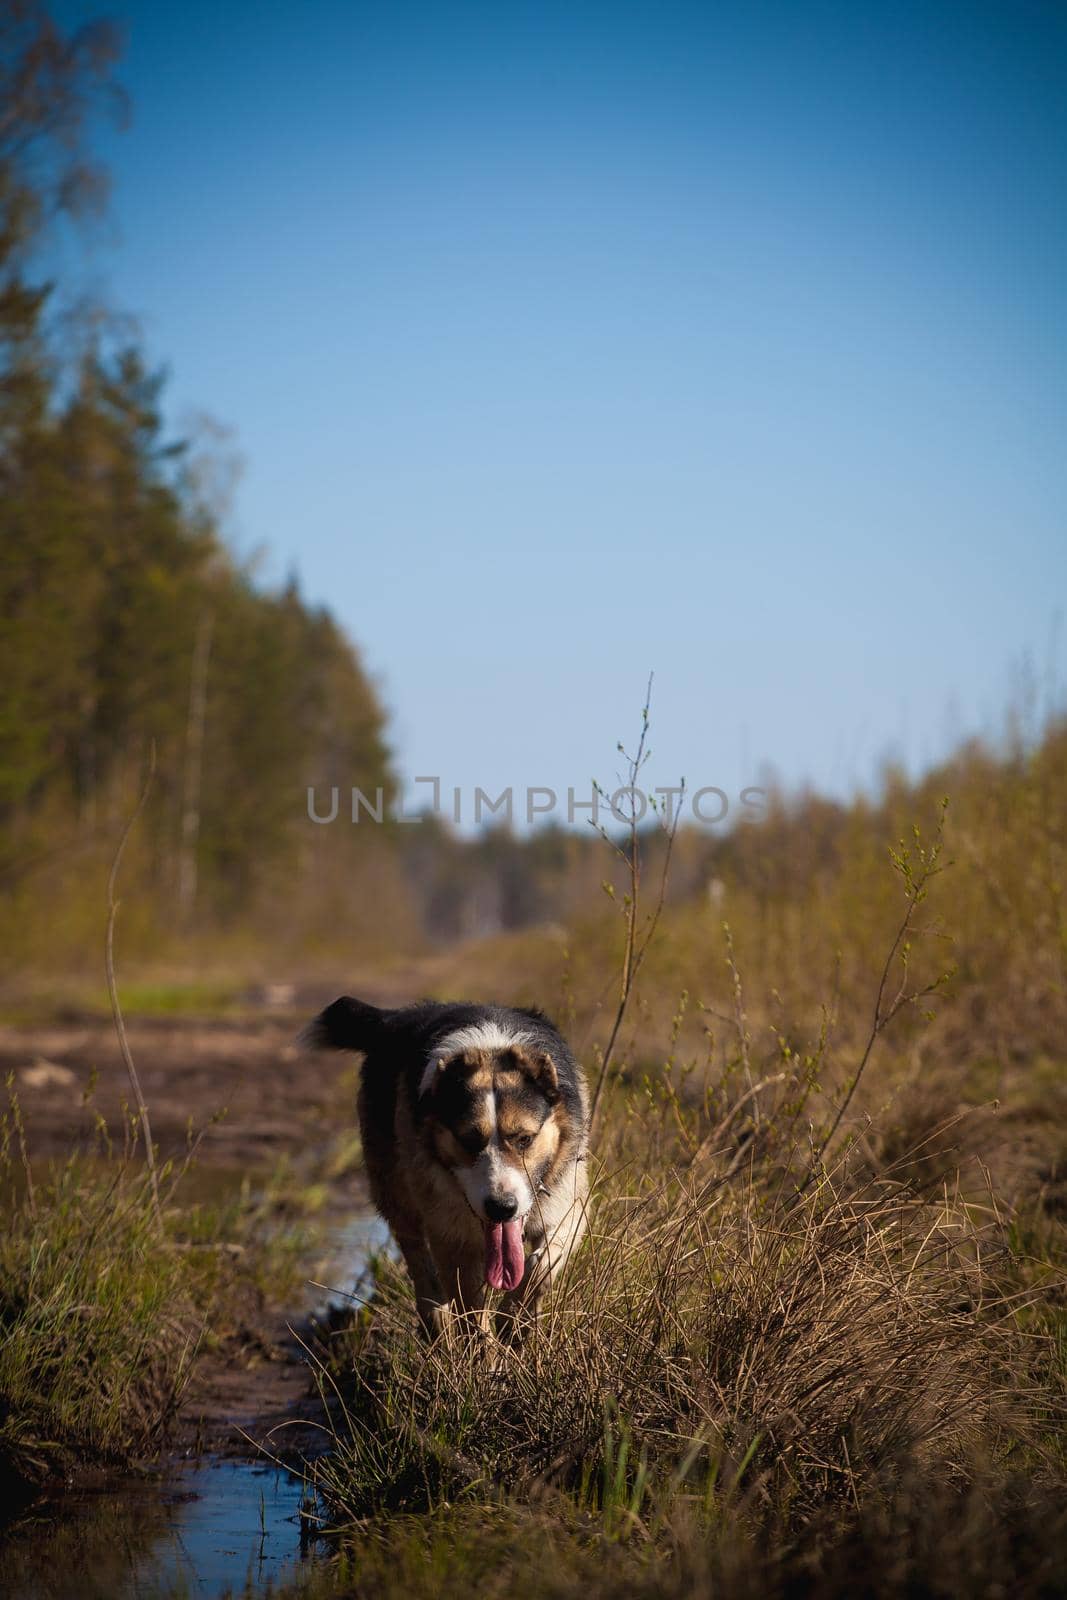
{"x":566,"y":342}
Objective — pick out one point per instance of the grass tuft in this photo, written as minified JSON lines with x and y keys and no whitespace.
{"x":99,"y":1321}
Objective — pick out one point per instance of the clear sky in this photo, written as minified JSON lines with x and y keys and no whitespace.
{"x":566,"y":341}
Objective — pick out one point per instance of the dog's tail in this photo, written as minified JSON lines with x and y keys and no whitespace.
{"x":348,"y":1024}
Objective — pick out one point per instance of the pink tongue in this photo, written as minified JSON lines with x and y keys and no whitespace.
{"x":504,"y":1259}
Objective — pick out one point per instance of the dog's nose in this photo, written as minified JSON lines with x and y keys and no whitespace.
{"x":501,"y":1210}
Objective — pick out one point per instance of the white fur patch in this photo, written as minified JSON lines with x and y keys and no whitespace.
{"x":490,"y":1176}
{"x":486,"y":1035}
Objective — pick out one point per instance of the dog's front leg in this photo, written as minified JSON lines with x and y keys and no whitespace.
{"x":428,"y":1296}
{"x":463,"y":1287}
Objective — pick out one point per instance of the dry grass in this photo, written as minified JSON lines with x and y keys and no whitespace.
{"x":718,"y":1330}
{"x":100,"y":1317}
{"x":735,"y":1379}
{"x":815,"y":1342}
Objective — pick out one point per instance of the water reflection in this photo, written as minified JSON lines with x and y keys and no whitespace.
{"x":206,"y":1529}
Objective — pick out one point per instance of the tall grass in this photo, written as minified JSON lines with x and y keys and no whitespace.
{"x":100,"y":1316}
{"x":738,"y":1370}
{"x":814,"y":1342}
{"x":726,"y":1321}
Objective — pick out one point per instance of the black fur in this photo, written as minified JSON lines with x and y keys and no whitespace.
{"x":397,"y":1043}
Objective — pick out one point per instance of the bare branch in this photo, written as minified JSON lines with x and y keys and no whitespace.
{"x":638,"y":939}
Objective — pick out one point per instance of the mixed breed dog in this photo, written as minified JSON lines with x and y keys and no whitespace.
{"x":474,"y":1121}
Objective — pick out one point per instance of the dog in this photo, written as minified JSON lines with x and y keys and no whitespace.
{"x":474,"y":1121}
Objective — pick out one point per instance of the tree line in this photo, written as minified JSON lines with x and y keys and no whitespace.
{"x":127,"y":623}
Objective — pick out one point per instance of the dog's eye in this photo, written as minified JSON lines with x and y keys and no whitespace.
{"x":521,"y":1141}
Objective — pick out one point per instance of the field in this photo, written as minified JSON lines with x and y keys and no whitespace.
{"x":819,"y":1325}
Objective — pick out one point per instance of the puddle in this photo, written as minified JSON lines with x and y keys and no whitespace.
{"x":210,"y":1529}
{"x":345,"y":1280}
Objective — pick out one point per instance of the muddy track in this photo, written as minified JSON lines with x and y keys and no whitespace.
{"x":243,"y":1081}
{"x":256,"y":1394}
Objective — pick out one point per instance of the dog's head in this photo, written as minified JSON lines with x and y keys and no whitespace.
{"x":493,"y":1112}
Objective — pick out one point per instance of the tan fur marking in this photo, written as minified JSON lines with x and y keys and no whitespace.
{"x":514,"y":1120}
{"x":476,"y":1066}
{"x":546,"y":1144}
{"x":564,"y":1143}
{"x":544,"y":1148}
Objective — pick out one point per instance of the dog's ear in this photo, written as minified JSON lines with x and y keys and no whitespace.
{"x":438,"y":1067}
{"x":348,"y":1024}
{"x":539,"y":1066}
